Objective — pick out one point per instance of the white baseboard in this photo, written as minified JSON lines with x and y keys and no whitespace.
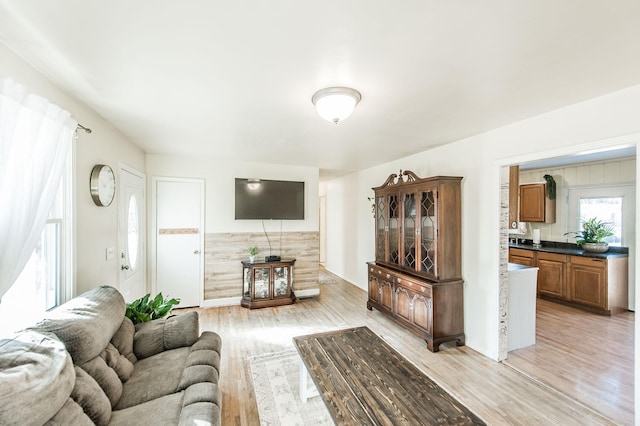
{"x":311,"y":292}
{"x":224,"y":301}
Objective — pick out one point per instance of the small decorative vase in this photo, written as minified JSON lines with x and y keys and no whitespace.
{"x":252,"y":258}
{"x":595,"y":247}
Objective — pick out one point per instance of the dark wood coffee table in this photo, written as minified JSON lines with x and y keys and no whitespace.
{"x":363,"y":380}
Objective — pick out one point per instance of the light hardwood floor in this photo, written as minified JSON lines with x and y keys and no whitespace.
{"x":584,"y":355}
{"x":497,"y":393}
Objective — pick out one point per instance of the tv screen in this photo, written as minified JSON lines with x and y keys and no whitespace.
{"x":269,"y":199}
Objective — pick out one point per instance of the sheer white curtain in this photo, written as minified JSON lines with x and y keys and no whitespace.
{"x":35,"y":136}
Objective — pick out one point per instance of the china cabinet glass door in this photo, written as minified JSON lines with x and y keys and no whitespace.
{"x":409,"y":232}
{"x":394,"y":229}
{"x":381,"y":229}
{"x":261,"y":283}
{"x":280,"y":281}
{"x":246,"y":286}
{"x":428,"y":232}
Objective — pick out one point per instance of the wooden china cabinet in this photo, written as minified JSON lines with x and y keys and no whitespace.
{"x":266,"y":284}
{"x":416,"y":277}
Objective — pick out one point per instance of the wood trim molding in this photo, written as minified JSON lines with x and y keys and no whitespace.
{"x":178,"y":231}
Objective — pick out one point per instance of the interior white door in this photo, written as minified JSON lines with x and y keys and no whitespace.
{"x":132,"y":234}
{"x":180,"y":239}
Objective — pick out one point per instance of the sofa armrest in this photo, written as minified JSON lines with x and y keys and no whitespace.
{"x":155,"y":336}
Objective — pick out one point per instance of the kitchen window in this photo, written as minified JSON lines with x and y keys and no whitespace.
{"x":615,"y":204}
{"x":608,"y":209}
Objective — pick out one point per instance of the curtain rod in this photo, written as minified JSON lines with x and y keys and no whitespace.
{"x":86,"y":129}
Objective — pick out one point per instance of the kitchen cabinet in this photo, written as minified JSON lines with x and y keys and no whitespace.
{"x":552,"y":275}
{"x":416,"y":277}
{"x":535,"y":204}
{"x":597,"y":284}
{"x":587,"y":281}
{"x":522,"y":257}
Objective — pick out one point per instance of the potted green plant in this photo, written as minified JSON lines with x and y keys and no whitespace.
{"x":591,"y":237}
{"x":252,"y":253}
{"x":147,"y":309}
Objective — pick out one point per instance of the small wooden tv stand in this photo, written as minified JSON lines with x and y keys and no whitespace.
{"x":267,"y":283}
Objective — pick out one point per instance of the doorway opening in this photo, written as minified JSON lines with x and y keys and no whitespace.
{"x":603,"y":333}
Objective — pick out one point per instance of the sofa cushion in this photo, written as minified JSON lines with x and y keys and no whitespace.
{"x":154,"y":377}
{"x":161,"y":411}
{"x":86,"y":324}
{"x":166,"y":333}
{"x":106,"y":378}
{"x":70,"y":414}
{"x":90,"y":396}
{"x":208,"y":340}
{"x":189,"y":365}
{"x":121,"y":365}
{"x":200,"y":413}
{"x":123,"y":340}
{"x":36,"y":377}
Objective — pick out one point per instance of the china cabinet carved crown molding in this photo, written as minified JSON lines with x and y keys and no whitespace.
{"x":416,"y":277}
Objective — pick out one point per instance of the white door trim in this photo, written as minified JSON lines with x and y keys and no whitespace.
{"x":143,"y":261}
{"x":153,"y":226}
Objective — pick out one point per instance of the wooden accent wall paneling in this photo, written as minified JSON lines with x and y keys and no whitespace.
{"x":223,"y":253}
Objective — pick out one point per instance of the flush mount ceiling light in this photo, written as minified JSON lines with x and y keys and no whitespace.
{"x":253,"y":184}
{"x":336,"y":103}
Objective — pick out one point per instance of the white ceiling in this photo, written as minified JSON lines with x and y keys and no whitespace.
{"x":234,"y":79}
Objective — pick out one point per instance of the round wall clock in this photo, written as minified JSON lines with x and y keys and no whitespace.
{"x":102,"y":185}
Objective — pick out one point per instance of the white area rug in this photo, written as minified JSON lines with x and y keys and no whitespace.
{"x":276,"y":382}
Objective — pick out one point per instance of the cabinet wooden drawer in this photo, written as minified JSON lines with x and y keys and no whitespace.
{"x":521,"y":257}
{"x":588,"y":261}
{"x":554,"y":257}
{"x":520,"y":252}
{"x":414,"y":287}
{"x":381,"y":273}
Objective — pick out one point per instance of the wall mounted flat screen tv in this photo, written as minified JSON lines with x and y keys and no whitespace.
{"x":269,"y":199}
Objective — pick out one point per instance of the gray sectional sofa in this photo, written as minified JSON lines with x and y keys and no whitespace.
{"x":86,"y":364}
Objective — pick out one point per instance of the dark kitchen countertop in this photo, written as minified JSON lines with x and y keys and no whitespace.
{"x":570,"y":249}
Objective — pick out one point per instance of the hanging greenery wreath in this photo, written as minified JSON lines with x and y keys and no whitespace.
{"x":551,"y":186}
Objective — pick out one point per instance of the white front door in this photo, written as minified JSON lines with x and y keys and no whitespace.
{"x":132,"y":234}
{"x":180,"y":239}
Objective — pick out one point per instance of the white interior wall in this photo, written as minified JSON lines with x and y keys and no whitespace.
{"x":580,"y":127}
{"x":96,"y":227}
{"x":600,"y":173}
{"x":220,"y":189}
{"x":219,"y":179}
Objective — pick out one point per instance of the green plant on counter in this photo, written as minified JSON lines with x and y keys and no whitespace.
{"x":147,"y":309}
{"x":253,"y":251}
{"x":593,"y":231}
